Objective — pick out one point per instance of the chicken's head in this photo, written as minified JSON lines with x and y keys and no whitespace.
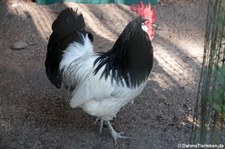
{"x":148,"y":13}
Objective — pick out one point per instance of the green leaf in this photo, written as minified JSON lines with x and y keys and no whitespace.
{"x":223,"y":115}
{"x":217,"y":107}
{"x":218,"y":95}
{"x":223,"y":4}
{"x":223,"y":111}
{"x":219,"y":76}
{"x":210,"y":98}
{"x":223,"y":66}
{"x":223,"y":70}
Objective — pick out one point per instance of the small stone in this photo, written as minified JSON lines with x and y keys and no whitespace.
{"x":19,"y":45}
{"x":182,"y":87}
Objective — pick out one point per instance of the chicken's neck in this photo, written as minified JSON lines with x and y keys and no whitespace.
{"x":129,"y":67}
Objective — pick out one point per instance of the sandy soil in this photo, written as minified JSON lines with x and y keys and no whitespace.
{"x":33,"y":114}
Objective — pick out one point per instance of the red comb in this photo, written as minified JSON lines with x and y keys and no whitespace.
{"x":148,"y":13}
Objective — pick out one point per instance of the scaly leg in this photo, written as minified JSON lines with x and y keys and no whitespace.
{"x":101,"y":123}
{"x":115,"y":135}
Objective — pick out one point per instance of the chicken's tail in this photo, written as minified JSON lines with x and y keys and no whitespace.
{"x":68,"y":29}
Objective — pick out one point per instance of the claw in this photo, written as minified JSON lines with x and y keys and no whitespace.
{"x":101,"y":126}
{"x":115,"y":135}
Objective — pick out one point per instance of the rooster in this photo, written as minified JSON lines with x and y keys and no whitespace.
{"x":101,"y":83}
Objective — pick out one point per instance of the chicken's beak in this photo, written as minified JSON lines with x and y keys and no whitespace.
{"x":154,"y":26}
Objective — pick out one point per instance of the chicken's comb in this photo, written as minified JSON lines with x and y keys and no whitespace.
{"x":145,"y":11}
{"x":148,"y":13}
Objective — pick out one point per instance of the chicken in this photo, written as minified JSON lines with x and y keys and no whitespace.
{"x":101,"y":83}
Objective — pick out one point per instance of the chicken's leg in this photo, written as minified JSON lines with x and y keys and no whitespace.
{"x":101,"y":123}
{"x":115,"y":135}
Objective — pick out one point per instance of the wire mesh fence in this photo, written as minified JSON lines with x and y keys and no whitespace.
{"x":209,"y":111}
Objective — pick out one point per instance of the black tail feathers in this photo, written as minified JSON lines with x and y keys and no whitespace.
{"x":68,"y":21}
{"x":67,"y":28}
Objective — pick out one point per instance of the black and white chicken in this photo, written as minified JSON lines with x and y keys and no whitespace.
{"x":101,"y":83}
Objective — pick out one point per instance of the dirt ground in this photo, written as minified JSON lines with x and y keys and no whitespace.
{"x":35,"y":115}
